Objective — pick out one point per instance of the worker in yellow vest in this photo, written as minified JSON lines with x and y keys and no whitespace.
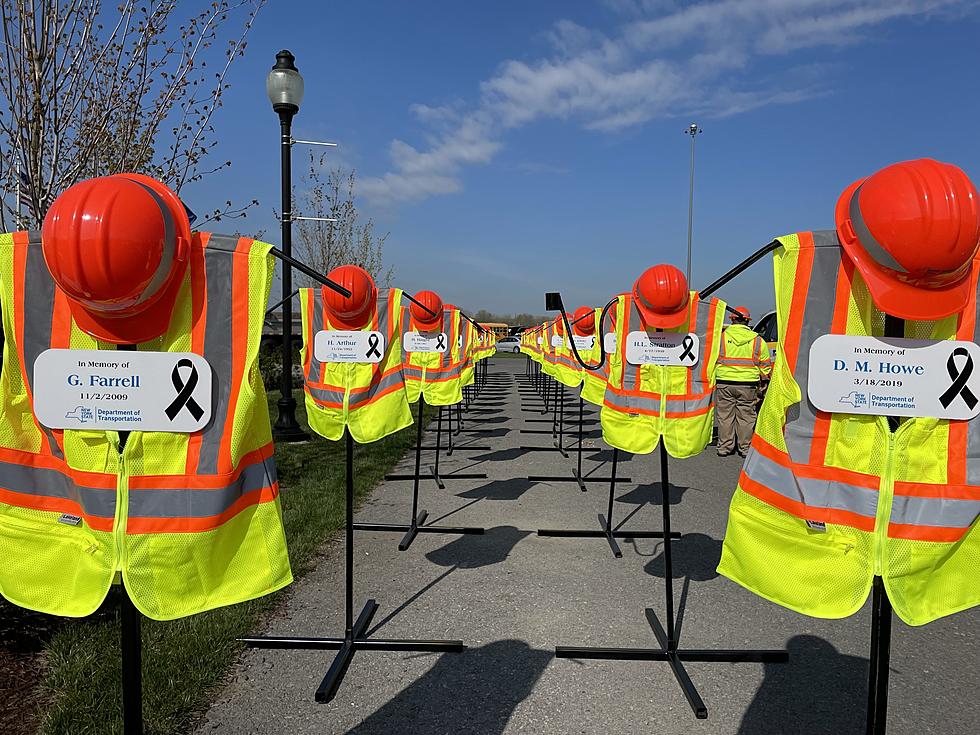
{"x":744,"y":365}
{"x":190,"y":522}
{"x":368,"y":397}
{"x":828,"y":501}
{"x":645,"y":401}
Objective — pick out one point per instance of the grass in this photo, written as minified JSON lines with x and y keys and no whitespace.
{"x":185,"y":661}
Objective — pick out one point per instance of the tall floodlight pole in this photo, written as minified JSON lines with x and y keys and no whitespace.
{"x":693,"y":131}
{"x":284,"y":85}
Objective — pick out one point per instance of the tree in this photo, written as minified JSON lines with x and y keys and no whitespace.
{"x":326,"y":244}
{"x":90,"y":89}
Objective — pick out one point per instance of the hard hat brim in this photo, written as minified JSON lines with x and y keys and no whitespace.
{"x":891,"y":295}
{"x":148,"y":324}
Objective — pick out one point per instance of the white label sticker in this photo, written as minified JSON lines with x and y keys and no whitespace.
{"x":418,"y":342}
{"x":584,"y":343}
{"x":459,"y":341}
{"x":540,"y":340}
{"x":557,"y":340}
{"x":662,"y":348}
{"x":349,"y":346}
{"x":609,"y":342}
{"x":890,"y":376}
{"x":122,"y":391}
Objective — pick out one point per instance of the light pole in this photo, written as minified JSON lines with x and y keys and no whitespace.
{"x":284,"y":85}
{"x":693,"y":131}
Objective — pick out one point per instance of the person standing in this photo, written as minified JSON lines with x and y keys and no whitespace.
{"x":744,"y":366}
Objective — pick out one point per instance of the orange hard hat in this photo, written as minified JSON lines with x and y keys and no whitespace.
{"x":430,"y":300}
{"x":354,"y":311}
{"x":118,"y":247}
{"x":912,"y":231}
{"x":583,"y":326}
{"x":559,"y":326}
{"x":661,"y":296}
{"x":741,"y":313}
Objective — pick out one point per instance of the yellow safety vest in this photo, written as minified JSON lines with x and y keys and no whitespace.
{"x":744,"y":356}
{"x":369,"y":399}
{"x":644,"y":402}
{"x":594,"y":381}
{"x":436,"y":375}
{"x":191,"y":521}
{"x":827,"y":501}
{"x":466,"y":344}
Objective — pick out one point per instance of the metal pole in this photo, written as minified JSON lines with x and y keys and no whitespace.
{"x":668,"y":566}
{"x":349,"y":560}
{"x":693,"y":131}
{"x":287,"y":428}
{"x":132,"y":665}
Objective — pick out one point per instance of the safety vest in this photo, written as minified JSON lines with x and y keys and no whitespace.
{"x":827,"y":501}
{"x":435,"y":375}
{"x":466,"y":344}
{"x":191,"y":521}
{"x":567,"y":369}
{"x":594,"y":381}
{"x":644,"y":402}
{"x":744,"y":356}
{"x":369,"y":399}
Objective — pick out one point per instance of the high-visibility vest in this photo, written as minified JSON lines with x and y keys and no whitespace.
{"x":466,"y":345}
{"x":827,"y":501}
{"x":435,"y":375}
{"x":191,"y":521}
{"x":644,"y":402}
{"x":567,"y":369}
{"x":594,"y":381}
{"x":744,"y":356}
{"x":369,"y":399}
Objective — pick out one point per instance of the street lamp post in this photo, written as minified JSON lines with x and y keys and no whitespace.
{"x":284,"y":85}
{"x":693,"y":131}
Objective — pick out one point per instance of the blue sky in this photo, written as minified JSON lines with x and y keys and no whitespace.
{"x":513,"y":148}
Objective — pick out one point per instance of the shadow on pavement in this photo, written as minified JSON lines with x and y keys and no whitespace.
{"x":473,"y":692}
{"x":819,"y":691}
{"x":652,"y":493}
{"x":473,"y":552}
{"x":694,"y":556}
{"x":501,"y":454}
{"x":499,"y":489}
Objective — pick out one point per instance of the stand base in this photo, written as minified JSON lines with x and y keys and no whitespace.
{"x":669,"y":652}
{"x":604,"y":531}
{"x":347,"y":646}
{"x":416,"y":528}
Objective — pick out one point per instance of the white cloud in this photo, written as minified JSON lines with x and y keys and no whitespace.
{"x":666,"y":60}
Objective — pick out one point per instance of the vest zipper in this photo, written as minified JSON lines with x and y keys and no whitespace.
{"x":350,"y":377}
{"x":122,"y":505}
{"x":885,"y":496}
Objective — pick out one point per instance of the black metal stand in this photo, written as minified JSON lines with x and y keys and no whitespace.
{"x":606,"y":528}
{"x":881,"y":611}
{"x":355,"y":632}
{"x":413,"y":529}
{"x":132,"y":664}
{"x":577,"y":474}
{"x":667,"y":639}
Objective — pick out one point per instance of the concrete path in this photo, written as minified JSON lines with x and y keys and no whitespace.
{"x":512,"y":596}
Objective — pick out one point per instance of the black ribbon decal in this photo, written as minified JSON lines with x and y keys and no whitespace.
{"x":373,"y":342}
{"x":441,"y":342}
{"x":688,"y":344}
{"x":184,"y":391}
{"x":959,"y":378}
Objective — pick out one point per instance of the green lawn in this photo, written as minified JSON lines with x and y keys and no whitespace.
{"x":184,"y":661}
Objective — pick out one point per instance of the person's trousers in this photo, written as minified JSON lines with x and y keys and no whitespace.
{"x":735,"y":412}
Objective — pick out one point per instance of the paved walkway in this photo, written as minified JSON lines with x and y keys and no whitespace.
{"x":511,"y":596}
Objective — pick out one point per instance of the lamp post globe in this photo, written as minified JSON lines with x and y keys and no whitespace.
{"x":284,"y":86}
